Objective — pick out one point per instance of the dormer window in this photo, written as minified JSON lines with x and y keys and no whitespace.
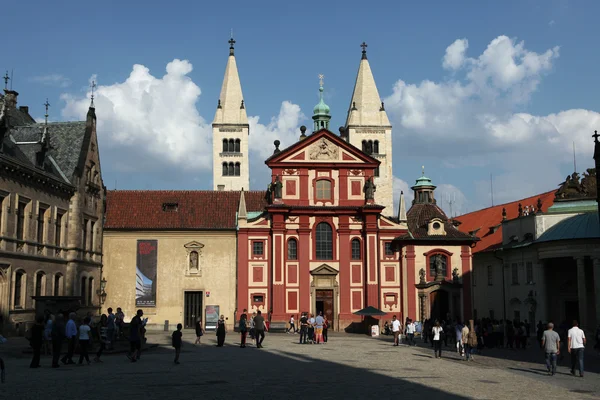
{"x":436,"y":227}
{"x":170,"y":207}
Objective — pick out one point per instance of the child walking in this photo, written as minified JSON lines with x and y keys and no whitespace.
{"x":176,"y":341}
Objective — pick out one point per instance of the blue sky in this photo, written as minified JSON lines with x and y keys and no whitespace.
{"x":478,"y":116}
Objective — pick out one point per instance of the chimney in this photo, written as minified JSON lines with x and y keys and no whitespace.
{"x":10,"y":99}
{"x":24,"y":109}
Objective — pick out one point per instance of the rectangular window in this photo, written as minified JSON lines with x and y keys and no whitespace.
{"x":292,"y":249}
{"x":40,"y":223}
{"x":388,"y":249}
{"x":490,"y":275}
{"x":515,"y":273}
{"x":18,"y":289}
{"x":85,"y":235}
{"x":258,"y":248}
{"x":529,"y":269}
{"x":21,"y":220}
{"x":323,"y":190}
{"x":355,"y":249}
{"x":58,"y":229}
{"x":93,"y":226}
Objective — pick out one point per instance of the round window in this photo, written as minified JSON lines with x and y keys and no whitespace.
{"x":436,"y":225}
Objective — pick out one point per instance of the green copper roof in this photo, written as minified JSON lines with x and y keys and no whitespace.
{"x":573,"y":206}
{"x":579,"y":226}
{"x":321,"y":108}
{"x":423,"y":181}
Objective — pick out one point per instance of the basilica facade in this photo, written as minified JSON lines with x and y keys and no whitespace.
{"x":324,"y":237}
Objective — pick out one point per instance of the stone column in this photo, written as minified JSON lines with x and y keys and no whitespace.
{"x":597,"y":288}
{"x":581,"y":292}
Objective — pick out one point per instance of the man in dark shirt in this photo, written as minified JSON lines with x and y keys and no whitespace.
{"x":259,"y":327}
{"x":135,"y":337}
{"x":303,"y":328}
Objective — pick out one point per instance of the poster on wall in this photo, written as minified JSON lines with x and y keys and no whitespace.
{"x":145,"y":279}
{"x":212,"y":317}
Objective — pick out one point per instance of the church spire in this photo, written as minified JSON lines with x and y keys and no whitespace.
{"x":402,"y":209}
{"x":230,"y":106}
{"x":366,"y":108}
{"x":321,"y":114}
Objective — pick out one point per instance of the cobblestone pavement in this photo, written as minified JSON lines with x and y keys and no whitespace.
{"x":349,"y":366}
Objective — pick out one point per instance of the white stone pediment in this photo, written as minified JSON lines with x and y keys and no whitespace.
{"x":193,"y":245}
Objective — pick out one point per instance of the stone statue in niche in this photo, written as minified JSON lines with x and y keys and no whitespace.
{"x":369,"y":189}
{"x":455,"y":275}
{"x":422,"y":275}
{"x":323,"y":150}
{"x":277,"y":187}
{"x":194,"y":261}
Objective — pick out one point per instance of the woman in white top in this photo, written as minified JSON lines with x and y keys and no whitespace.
{"x":84,"y":341}
{"x":437,"y":339}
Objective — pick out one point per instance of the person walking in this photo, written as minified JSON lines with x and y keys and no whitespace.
{"x":176,"y":341}
{"x":303,"y":328}
{"x":243,"y":328}
{"x":221,"y":331}
{"x":259,"y":328}
{"x":396,"y":330}
{"x":576,"y":347}
{"x":551,"y":346}
{"x":458,"y":336}
{"x":37,"y":340}
{"x":71,"y":334}
{"x":319,"y":322}
{"x":437,"y":332}
{"x":410,"y":332}
{"x":110,"y":329}
{"x":311,"y":329}
{"x":48,"y":334}
{"x":135,"y":337}
{"x":463,"y":347}
{"x":291,"y":328}
{"x":199,"y":330}
{"x":84,"y":341}
{"x":472,"y":341}
{"x":58,"y":335}
{"x":325,"y":328}
{"x":101,"y":332}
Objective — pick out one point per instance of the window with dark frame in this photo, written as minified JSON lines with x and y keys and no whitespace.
{"x":355,"y":249}
{"x":324,"y":241}
{"x":225,"y":169}
{"x":39,"y":281}
{"x":58,"y":229}
{"x":57,"y":284}
{"x":376,"y":147}
{"x":21,"y":220}
{"x":258,"y":298}
{"x":529,"y":271}
{"x":515,"y":273}
{"x":40,"y":223}
{"x":292,"y":249}
{"x":237,"y":169}
{"x":225,"y":146}
{"x":389,"y":251}
{"x":237,"y":145}
{"x":323,"y":187}
{"x":258,"y":248}
{"x":83,"y":290}
{"x":85,"y":235}
{"x":18,"y":289}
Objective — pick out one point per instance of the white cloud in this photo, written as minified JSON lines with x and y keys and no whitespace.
{"x":149,"y":122}
{"x":52,"y":80}
{"x":477,"y":119}
{"x":455,"y":54}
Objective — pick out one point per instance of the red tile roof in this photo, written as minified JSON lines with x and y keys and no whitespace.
{"x":487,"y":222}
{"x":202,"y":209}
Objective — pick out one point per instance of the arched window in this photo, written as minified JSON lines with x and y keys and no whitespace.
{"x":364,"y":146}
{"x":237,"y":145}
{"x":376,"y":147}
{"x":292,"y":249}
{"x":20,"y":288}
{"x":225,"y":146}
{"x":83,"y":289}
{"x":355,"y":249}
{"x":231,"y":146}
{"x":40,"y":283}
{"x":225,"y":169}
{"x":323,"y":191}
{"x":58,"y":283}
{"x":237,"y":169}
{"x":324,"y":241}
{"x":231,"y":169}
{"x":370,"y":147}
{"x":90,"y":292}
{"x":433,"y":261}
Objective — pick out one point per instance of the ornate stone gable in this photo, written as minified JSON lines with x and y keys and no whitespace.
{"x":323,"y":149}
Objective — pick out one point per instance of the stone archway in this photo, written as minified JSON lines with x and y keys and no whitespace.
{"x":324,"y":293}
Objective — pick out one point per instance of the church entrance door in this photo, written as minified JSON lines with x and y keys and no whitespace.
{"x":439,"y":305}
{"x":324,"y":304}
{"x":192,"y":309}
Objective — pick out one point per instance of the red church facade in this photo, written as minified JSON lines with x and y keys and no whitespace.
{"x":322,"y":244}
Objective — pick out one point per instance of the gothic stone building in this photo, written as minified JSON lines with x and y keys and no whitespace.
{"x":51,"y":214}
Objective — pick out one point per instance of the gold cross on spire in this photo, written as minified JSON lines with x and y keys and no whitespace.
{"x":321,"y":78}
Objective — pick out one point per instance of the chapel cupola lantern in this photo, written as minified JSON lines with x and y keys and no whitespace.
{"x":423,"y":190}
{"x":321,"y":116}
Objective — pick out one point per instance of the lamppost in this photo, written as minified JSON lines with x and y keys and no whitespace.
{"x":101,"y":292}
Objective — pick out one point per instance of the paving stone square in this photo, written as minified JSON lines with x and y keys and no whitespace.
{"x":348,"y":366}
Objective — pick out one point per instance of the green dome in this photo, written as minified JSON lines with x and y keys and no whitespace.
{"x":321,"y":108}
{"x":423,"y":181}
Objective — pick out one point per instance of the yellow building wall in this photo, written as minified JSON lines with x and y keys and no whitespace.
{"x":217,"y":264}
